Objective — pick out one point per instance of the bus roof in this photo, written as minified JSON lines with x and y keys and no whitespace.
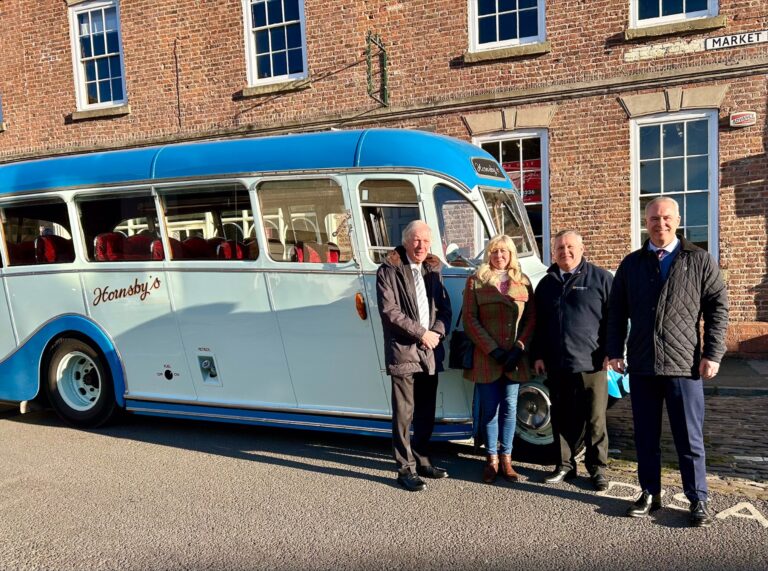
{"x":372,"y":148}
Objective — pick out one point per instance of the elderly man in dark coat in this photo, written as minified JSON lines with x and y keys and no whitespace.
{"x":416,"y":317}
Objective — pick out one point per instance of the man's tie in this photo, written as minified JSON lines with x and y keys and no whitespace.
{"x":661,"y":253}
{"x":421,"y":298}
{"x":567,"y":276}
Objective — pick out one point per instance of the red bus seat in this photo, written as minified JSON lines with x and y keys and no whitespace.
{"x":54,"y":249}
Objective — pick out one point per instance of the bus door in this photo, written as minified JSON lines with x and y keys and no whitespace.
{"x":383,"y":205}
{"x":128,"y":294}
{"x":230,"y":334}
{"x":317,"y":294}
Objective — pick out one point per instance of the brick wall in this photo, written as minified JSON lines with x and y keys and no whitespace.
{"x":185,"y":72}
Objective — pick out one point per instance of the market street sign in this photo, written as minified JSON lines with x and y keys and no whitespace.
{"x":734,"y":40}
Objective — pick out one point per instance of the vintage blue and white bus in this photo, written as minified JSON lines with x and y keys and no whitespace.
{"x":234,"y":280}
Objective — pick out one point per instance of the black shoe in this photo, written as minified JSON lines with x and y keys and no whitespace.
{"x":645,"y":505}
{"x":411,"y":482}
{"x":700,"y":514}
{"x":560,"y":474}
{"x":600,"y":482}
{"x":431,"y":472}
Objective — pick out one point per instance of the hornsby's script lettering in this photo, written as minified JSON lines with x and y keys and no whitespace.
{"x":141,"y":289}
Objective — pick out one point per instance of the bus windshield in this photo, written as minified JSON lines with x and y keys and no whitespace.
{"x":509,"y":219}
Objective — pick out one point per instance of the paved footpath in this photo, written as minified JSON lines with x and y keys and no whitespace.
{"x":735,"y":431}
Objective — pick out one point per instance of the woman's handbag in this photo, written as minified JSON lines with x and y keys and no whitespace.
{"x":461,"y":349}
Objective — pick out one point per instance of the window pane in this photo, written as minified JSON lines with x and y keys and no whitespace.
{"x":695,"y":5}
{"x":93,"y":96}
{"x":649,"y":142}
{"x":673,"y":175}
{"x":531,"y":148}
{"x":274,"y":11}
{"x":697,"y":137}
{"x":102,"y":68}
{"x":119,"y":228}
{"x":650,"y":177}
{"x":38,"y":233}
{"x":99,"y":47}
{"x":111,"y":15}
{"x":698,"y":178}
{"x":669,"y":7}
{"x":277,"y":35}
{"x":648,"y":9}
{"x":113,"y":46}
{"x":698,"y":235}
{"x":294,"y":35}
{"x":511,"y":150}
{"x":105,"y":91}
{"x":535,"y":216}
{"x":210,"y":224}
{"x":487,"y":29}
{"x":680,"y":199}
{"x":493,"y":149}
{"x":117,"y":89}
{"x":306,"y":221}
{"x":508,"y":26}
{"x":697,"y":209}
{"x":83,"y":25}
{"x":529,"y":23}
{"x":262,"y":42}
{"x":672,"y":134}
{"x":485,"y":7}
{"x":462,"y":232}
{"x":264,"y":66}
{"x":259,"y":12}
{"x":114,"y":66}
{"x":85,"y":47}
{"x":295,"y":61}
{"x":506,"y":5}
{"x":97,"y":21}
{"x":90,"y":70}
{"x":291,"y":10}
{"x":279,"y":64}
{"x":527,"y":4}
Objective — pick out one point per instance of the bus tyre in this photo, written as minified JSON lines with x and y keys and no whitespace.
{"x":79,"y":384}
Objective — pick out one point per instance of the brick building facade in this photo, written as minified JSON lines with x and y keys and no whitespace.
{"x":593,"y":107}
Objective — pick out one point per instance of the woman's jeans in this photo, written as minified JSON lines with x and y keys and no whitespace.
{"x":498,"y":414}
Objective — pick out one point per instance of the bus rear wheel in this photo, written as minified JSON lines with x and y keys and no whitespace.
{"x":79,"y":384}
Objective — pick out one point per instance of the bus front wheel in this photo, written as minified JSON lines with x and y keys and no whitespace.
{"x":79,"y":384}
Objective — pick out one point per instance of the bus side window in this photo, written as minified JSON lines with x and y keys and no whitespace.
{"x":119,"y":227}
{"x":38,"y":232}
{"x":305,"y":221}
{"x":388,"y":206}
{"x":210,"y":223}
{"x":462,"y":231}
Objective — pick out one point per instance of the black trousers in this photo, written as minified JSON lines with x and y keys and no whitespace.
{"x":684,"y":398}
{"x":579,"y":402}
{"x":413,"y":401}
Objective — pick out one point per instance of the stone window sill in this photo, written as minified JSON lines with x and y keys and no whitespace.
{"x":100,"y":113}
{"x":257,"y":90}
{"x":703,"y":24}
{"x":2,"y":127}
{"x":504,"y":53}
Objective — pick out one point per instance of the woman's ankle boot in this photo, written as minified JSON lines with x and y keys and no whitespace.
{"x":491,"y":469}
{"x":507,"y":471}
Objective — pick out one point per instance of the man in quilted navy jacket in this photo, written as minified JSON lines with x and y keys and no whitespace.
{"x":665,"y":288}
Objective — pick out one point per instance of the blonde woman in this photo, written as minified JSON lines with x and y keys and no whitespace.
{"x":499,"y":317}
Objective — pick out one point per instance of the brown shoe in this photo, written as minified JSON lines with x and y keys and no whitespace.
{"x":507,"y":471}
{"x":491,"y":469}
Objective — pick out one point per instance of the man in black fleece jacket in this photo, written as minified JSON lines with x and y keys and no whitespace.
{"x":569,"y":346}
{"x":664,"y":289}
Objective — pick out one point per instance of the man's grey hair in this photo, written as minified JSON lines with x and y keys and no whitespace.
{"x":568,"y":232}
{"x":412,"y":227}
{"x":660,"y":199}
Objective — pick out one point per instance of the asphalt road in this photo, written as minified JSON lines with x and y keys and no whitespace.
{"x":158,"y":494}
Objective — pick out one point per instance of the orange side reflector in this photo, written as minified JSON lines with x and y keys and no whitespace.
{"x":360,"y":306}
